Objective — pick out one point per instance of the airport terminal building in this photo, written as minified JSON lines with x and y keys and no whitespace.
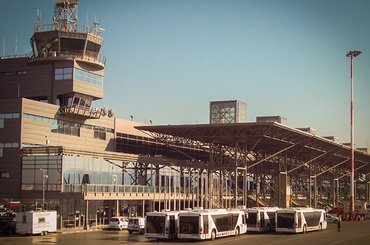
{"x":59,"y":152}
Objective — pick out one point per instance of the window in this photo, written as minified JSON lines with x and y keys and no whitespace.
{"x":21,"y":72}
{"x":4,"y":175}
{"x":1,"y":123}
{"x":99,"y":133}
{"x":63,"y":73}
{"x":68,"y":128}
{"x":9,"y":115}
{"x":1,"y":152}
{"x":88,"y":77}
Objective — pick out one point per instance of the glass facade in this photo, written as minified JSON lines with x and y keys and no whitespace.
{"x":79,"y":170}
{"x":69,"y":128}
{"x":78,"y":74}
{"x":88,"y":77}
{"x":32,"y":176}
{"x":76,"y":170}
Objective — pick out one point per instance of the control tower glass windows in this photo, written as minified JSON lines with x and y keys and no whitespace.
{"x":93,"y":47}
{"x":88,"y":77}
{"x":63,"y":73}
{"x":72,"y":46}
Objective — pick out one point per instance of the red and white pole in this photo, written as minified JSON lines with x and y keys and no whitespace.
{"x":352,"y":54}
{"x":352,"y":201}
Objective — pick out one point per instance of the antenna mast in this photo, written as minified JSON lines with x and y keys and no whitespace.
{"x":65,"y":15}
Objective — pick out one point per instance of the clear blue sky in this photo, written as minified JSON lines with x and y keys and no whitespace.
{"x":167,"y":59}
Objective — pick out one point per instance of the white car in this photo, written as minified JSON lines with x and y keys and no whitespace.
{"x":136,"y":224}
{"x":118,"y":223}
{"x":331,"y":218}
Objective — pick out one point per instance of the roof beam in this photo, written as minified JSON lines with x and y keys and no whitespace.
{"x":309,"y":161}
{"x":336,"y":165}
{"x":275,"y":154}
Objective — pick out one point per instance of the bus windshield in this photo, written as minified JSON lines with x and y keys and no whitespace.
{"x":189,"y":224}
{"x":285,"y":220}
{"x":155,"y":224}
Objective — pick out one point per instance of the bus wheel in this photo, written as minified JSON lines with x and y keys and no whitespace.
{"x":237,"y":231}
{"x":213,"y":235}
{"x":320,"y":227}
{"x":304,"y":229}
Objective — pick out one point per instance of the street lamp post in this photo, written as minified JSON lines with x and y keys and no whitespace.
{"x":44,"y":177}
{"x":351,"y":55}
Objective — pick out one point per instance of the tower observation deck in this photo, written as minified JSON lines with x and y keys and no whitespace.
{"x":65,"y":39}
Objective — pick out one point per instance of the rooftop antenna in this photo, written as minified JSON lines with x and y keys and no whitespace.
{"x":38,"y":20}
{"x":3,"y":46}
{"x":65,"y":15}
{"x":87,"y":18}
{"x":16,"y":45}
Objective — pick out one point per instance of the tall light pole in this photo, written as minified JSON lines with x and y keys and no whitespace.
{"x":44,"y":177}
{"x":351,"y":55}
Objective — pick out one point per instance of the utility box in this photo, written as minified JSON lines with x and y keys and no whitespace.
{"x":231,"y":111}
{"x":36,"y":222}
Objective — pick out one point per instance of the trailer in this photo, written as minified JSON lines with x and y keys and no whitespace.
{"x":36,"y":222}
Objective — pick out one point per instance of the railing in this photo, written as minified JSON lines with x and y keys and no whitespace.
{"x":14,"y":56}
{"x":80,"y":111}
{"x":101,"y":188}
{"x":79,"y":28}
{"x":73,"y":55}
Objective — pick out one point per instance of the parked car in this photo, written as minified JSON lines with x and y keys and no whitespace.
{"x":7,"y":225}
{"x":136,"y":224}
{"x":118,"y":223}
{"x":331,"y":218}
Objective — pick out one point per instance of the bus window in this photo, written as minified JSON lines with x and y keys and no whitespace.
{"x":189,"y":224}
{"x":285,"y":220}
{"x":155,"y":224}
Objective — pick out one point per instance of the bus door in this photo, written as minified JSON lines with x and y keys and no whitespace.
{"x":172,"y":225}
{"x":262,"y":219}
{"x":205,"y":224}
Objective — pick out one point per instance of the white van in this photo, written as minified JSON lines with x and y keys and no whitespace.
{"x":117,"y":223}
{"x":136,"y":224}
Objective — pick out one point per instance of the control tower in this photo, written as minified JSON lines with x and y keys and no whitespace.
{"x":72,"y":54}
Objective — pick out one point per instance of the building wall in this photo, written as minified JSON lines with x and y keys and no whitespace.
{"x":26,"y":122}
{"x":36,"y":129}
{"x":10,"y":131}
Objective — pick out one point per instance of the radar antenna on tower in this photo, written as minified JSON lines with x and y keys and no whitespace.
{"x":65,"y":15}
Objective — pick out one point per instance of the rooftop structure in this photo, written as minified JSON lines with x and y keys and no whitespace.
{"x":231,"y":111}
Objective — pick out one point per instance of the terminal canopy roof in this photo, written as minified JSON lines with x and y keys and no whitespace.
{"x":269,"y":138}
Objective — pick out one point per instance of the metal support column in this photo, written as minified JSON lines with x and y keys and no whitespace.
{"x":86,"y":219}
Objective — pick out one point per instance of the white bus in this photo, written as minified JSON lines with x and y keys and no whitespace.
{"x":300,"y":220}
{"x":211,"y":224}
{"x":161,"y":225}
{"x":261,"y":219}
